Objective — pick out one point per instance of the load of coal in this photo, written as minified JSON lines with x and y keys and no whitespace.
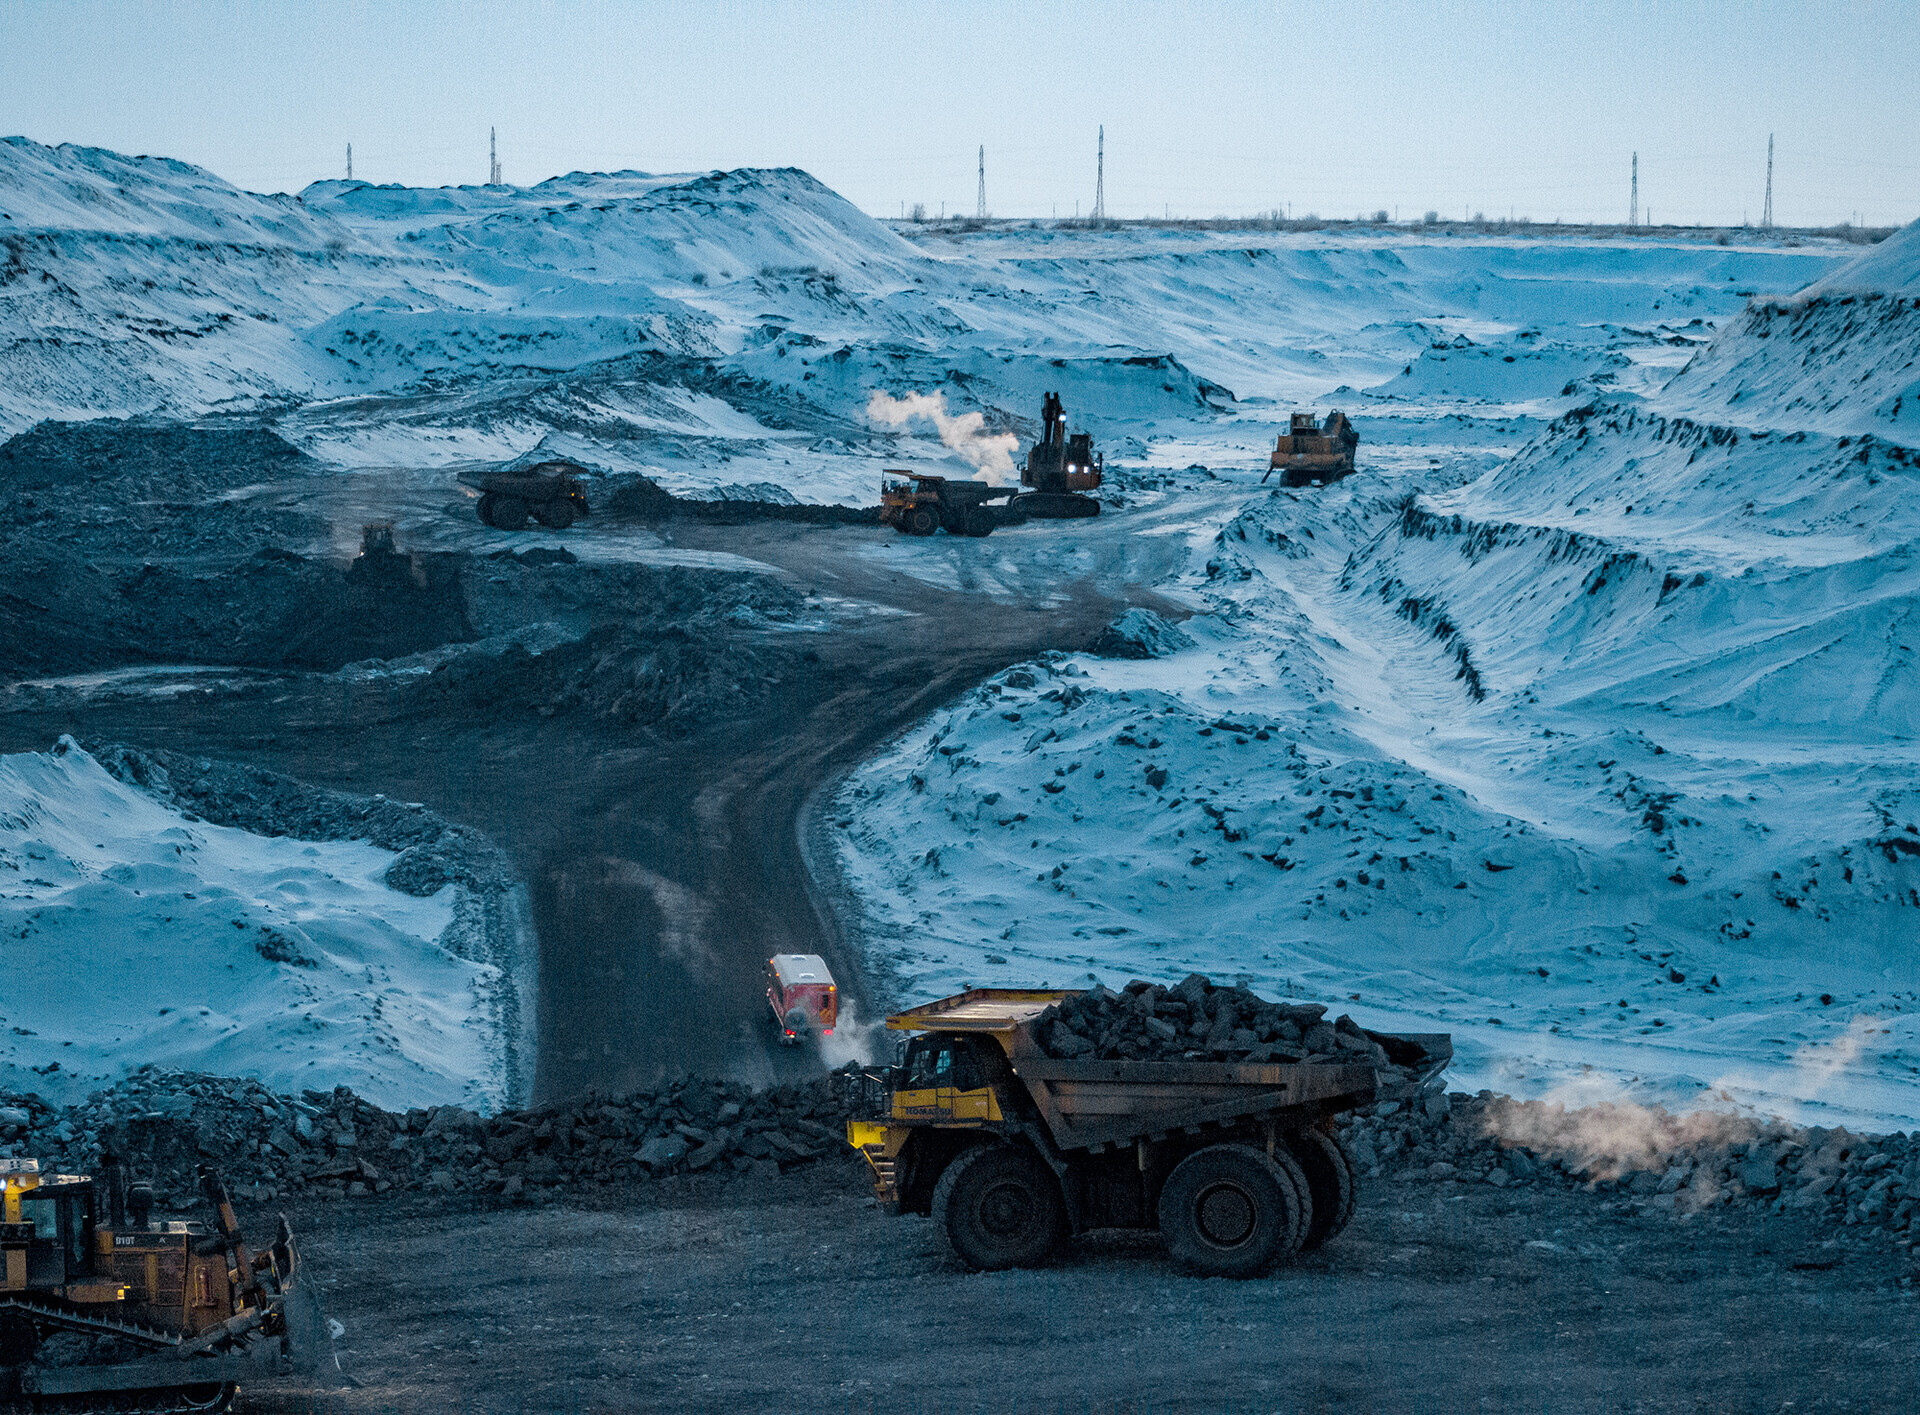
{"x":1198,"y":1021}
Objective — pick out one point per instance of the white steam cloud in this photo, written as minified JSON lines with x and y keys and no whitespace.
{"x":1606,"y":1138}
{"x":991,"y":454}
{"x":1591,"y":1126}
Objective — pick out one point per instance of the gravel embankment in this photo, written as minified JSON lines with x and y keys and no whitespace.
{"x":1646,"y":1163}
{"x":334,"y":1144}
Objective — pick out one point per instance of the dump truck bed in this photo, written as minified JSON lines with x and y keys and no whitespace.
{"x":979,"y":1010}
{"x":1096,"y":1104}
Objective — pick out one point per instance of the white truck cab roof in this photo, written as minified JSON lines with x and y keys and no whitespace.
{"x":795,"y":968}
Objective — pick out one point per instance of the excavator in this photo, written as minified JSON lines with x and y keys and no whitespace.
{"x":105,"y":1308}
{"x":1058,"y":466}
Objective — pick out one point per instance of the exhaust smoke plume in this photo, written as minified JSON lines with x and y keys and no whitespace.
{"x":991,"y":454}
{"x":853,"y":1040}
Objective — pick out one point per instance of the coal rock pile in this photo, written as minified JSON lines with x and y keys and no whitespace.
{"x":1197,"y":1021}
{"x":1648,"y":1161}
{"x":332,"y":1144}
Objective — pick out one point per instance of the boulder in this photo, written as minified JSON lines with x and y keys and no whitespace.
{"x":662,"y":1151}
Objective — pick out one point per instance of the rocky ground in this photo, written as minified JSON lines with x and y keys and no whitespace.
{"x":796,"y":1295}
{"x":1642,"y":1162}
{"x":705,"y":1247}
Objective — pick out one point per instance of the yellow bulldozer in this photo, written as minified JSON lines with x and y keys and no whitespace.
{"x":103,"y":1307}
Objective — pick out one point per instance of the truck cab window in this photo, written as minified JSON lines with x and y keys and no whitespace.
{"x":43,"y":1212}
{"x":968,"y":1074}
{"x":929,"y":1064}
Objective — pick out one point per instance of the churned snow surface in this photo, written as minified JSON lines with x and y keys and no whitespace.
{"x":729,"y":328}
{"x":1603,"y":755}
{"x":131,"y":934}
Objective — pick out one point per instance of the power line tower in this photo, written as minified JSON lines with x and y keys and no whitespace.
{"x":1100,"y":178}
{"x":1766,"y":212}
{"x":349,"y":162}
{"x":1633,"y":206}
{"x":493,"y":158}
{"x":982,"y":212}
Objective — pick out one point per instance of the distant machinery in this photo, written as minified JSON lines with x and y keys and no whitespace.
{"x":1312,"y":453}
{"x":1058,"y":466}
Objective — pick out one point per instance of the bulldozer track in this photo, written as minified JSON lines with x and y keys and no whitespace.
{"x":73,"y":1320}
{"x":170,"y":1400}
{"x":174,"y":1401}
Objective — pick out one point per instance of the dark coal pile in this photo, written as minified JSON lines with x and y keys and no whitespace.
{"x":672,"y":680}
{"x":83,"y":607}
{"x":163,"y":1124}
{"x":85,"y":506}
{"x":645,"y":500}
{"x":55,"y":464}
{"x":433,"y":851}
{"x":1197,"y":1021}
{"x":507,"y":589}
{"x":1647,"y":1161}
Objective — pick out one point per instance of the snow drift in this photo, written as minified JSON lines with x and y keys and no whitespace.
{"x":131,"y":933}
{"x":721,"y":328}
{"x":1603,"y":758}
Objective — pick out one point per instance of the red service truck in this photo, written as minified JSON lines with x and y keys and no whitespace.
{"x":802,"y":994}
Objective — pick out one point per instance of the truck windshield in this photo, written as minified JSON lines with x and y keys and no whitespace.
{"x":943,"y":1062}
{"x":929,"y":1063}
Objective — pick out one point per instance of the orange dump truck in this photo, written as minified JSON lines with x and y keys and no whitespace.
{"x":801,"y":992}
{"x":1010,"y":1149}
{"x":1311,"y":453}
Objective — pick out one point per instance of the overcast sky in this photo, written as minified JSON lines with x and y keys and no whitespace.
{"x":1454,"y":105}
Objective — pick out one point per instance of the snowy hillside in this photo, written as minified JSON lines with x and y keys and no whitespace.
{"x":729,"y":328}
{"x":132,"y":934}
{"x":1603,"y":758}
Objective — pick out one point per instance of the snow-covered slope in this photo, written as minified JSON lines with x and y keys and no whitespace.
{"x":130,"y":933}
{"x":1842,"y":356}
{"x":1606,"y":757}
{"x":729,"y":327}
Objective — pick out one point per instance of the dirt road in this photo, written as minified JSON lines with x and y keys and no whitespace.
{"x":798,"y":1296}
{"x":666,"y":867}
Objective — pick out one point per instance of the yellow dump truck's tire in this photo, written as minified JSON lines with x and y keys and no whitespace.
{"x":922,"y":521}
{"x":1001,"y":1207}
{"x":1332,"y":1184}
{"x":211,"y":1399}
{"x":509,"y":513}
{"x":1231,"y":1211}
{"x":555,"y":515}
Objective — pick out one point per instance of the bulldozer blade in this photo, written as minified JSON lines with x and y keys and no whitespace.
{"x":308,"y":1343}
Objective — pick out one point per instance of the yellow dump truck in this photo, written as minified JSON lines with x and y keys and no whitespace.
{"x":1011,"y":1149}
